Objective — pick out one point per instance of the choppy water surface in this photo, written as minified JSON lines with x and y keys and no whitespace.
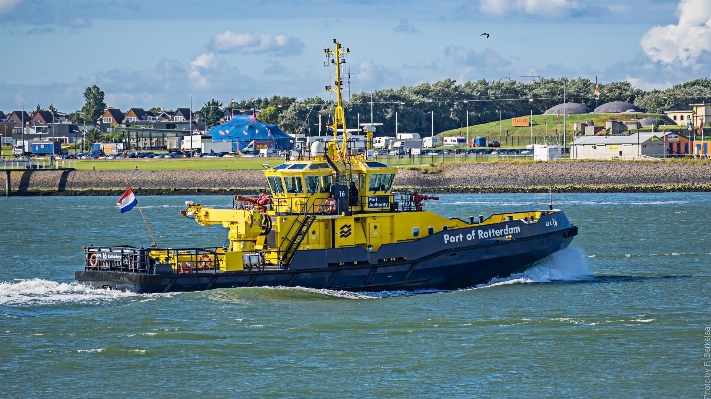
{"x":619,"y":314}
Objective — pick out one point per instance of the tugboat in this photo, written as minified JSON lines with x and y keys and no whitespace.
{"x":332,"y":221}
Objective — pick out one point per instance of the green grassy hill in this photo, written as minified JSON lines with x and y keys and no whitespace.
{"x":545,"y":128}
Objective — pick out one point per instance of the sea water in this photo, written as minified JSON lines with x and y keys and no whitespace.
{"x":623,"y":312}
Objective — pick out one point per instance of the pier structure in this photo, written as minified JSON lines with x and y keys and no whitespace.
{"x":25,"y":165}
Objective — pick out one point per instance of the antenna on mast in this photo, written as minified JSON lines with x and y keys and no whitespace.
{"x":339,"y":118}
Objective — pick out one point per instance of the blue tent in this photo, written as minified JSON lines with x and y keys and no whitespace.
{"x":243,"y":129}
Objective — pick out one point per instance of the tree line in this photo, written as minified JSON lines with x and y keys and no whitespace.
{"x":447,"y":102}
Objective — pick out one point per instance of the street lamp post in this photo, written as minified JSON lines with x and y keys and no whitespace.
{"x":23,"y":127}
{"x":191,"y":126}
{"x":530,"y":100}
{"x":564,"y":117}
{"x":396,"y":124}
{"x":371,"y":108}
{"x":500,"y":126}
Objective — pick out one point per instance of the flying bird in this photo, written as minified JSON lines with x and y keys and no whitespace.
{"x":485,"y":34}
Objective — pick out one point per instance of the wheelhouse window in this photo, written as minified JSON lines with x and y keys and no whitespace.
{"x":275,"y":185}
{"x":312,"y":184}
{"x":380,"y":182}
{"x":293,"y":184}
{"x":326,"y":182}
{"x":318,"y":166}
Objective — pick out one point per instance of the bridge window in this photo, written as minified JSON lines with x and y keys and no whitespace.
{"x":282,"y":166}
{"x":326,"y":183}
{"x":293,"y":184}
{"x":312,"y":184}
{"x":275,"y":185}
{"x":381,"y":182}
{"x":318,"y":166}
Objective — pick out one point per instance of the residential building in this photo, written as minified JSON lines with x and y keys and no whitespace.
{"x":42,"y":118}
{"x":681,"y":117}
{"x":112,"y":117}
{"x":138,"y":114}
{"x":701,"y":114}
{"x":16,"y":118}
{"x":182,"y":115}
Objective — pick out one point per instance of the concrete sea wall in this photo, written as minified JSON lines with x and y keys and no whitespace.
{"x":453,"y":178}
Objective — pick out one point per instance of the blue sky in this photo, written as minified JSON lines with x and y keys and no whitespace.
{"x":157,"y":53}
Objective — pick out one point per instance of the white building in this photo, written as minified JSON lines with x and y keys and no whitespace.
{"x":545,"y":152}
{"x":618,"y":147}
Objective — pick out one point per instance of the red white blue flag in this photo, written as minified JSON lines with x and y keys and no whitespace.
{"x":127,"y":201}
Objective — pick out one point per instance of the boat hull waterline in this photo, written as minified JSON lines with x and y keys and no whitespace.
{"x":452,"y":265}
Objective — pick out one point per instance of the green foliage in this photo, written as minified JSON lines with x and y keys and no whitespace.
{"x":114,"y":137}
{"x":677,"y":97}
{"x":156,"y":110}
{"x":451,"y":103}
{"x":268,"y":115}
{"x":211,"y":113}
{"x":75,"y":117}
{"x":94,"y":104}
{"x":301,"y":116}
{"x":93,"y":135}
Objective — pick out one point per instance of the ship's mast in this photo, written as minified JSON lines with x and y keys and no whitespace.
{"x":339,"y":119}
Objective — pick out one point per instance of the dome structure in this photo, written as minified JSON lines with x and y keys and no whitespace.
{"x":649,"y":121}
{"x":568,"y":108}
{"x":616,"y":107}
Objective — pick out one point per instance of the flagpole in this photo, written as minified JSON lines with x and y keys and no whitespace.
{"x":146,"y":221}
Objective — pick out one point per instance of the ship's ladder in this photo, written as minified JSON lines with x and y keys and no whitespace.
{"x":300,"y":228}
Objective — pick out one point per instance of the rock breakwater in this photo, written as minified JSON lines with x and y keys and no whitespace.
{"x":453,"y":178}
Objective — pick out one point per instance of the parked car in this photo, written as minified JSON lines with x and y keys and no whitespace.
{"x":495,"y":144}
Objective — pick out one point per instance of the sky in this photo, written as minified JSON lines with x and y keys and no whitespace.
{"x":159,"y":53}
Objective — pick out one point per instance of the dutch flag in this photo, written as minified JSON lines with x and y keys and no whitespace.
{"x":127,"y":201}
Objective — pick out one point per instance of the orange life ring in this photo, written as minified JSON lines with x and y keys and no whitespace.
{"x":205,"y":262}
{"x":185,"y":268}
{"x":93,"y":262}
{"x":329,"y":206}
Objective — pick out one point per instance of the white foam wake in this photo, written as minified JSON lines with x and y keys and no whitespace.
{"x":43,"y":292}
{"x":566,"y":265}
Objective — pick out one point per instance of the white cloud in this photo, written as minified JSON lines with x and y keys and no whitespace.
{"x":487,"y":58}
{"x":370,"y":75}
{"x":210,"y":72}
{"x":405,"y":27}
{"x":544,"y":8}
{"x":251,"y":43}
{"x":685,"y":41}
{"x":78,"y":22}
{"x":8,"y":6}
{"x":201,"y":68}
